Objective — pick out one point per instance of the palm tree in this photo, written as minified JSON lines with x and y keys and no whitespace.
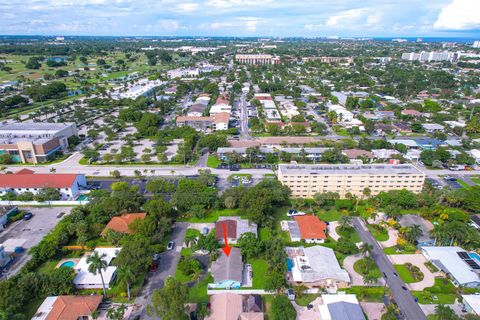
{"x":125,"y":277}
{"x":366,"y":192}
{"x":370,"y":278}
{"x":345,"y":221}
{"x":96,"y":264}
{"x":190,"y":240}
{"x":366,"y":249}
{"x":53,"y":170}
{"x":414,"y":232}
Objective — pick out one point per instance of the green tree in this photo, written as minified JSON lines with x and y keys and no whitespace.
{"x":169,"y":302}
{"x":282,"y":309}
{"x":125,"y":277}
{"x":97,"y":263}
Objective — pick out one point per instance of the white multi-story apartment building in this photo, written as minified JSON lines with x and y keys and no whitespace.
{"x":307,"y":180}
{"x":425,"y":56}
{"x":476,"y":44}
{"x":257,"y":59}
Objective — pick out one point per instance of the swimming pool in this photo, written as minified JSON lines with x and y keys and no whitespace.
{"x":289,"y":264}
{"x":475,"y":256}
{"x":68,"y":264}
{"x":82,"y":198}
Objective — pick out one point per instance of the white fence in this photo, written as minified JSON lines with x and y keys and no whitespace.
{"x":240,"y":291}
{"x":45,"y":203}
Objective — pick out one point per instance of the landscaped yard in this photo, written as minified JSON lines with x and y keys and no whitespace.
{"x":405,"y":274}
{"x":198,"y":293}
{"x":463,"y":183}
{"x":475,"y":179}
{"x":330,"y":215}
{"x":363,"y":269}
{"x":378,"y":232}
{"x":349,"y":233}
{"x":306,"y":299}
{"x":368,"y":294}
{"x":259,"y":270}
{"x":212,"y":216}
{"x":395,"y":250}
{"x":443,"y":292}
{"x":213,"y":162}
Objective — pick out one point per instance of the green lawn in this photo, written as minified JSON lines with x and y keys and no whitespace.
{"x":198,"y":293}
{"x":182,"y":277}
{"x":213,"y":161}
{"x":442,"y":292}
{"x":378,"y":235}
{"x":475,"y":179}
{"x":404,"y":273}
{"x":351,"y":234}
{"x":393,"y":250}
{"x":463,"y":183}
{"x":368,"y":294}
{"x":213,"y":216}
{"x":306,"y":299}
{"x":331,"y":215}
{"x":360,"y":267}
{"x":259,"y":270}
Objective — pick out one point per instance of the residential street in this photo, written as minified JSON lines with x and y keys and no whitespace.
{"x":167,"y":266}
{"x":406,"y":304}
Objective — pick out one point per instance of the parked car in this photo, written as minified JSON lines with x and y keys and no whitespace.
{"x":27,"y":216}
{"x":170,"y":245}
{"x":293,"y":213}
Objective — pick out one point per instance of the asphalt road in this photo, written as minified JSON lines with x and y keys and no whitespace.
{"x":404,"y":299}
{"x":167,"y":266}
{"x":244,"y":117}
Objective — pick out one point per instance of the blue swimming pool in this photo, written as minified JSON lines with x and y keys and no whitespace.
{"x":289,"y":264}
{"x":68,"y":264}
{"x":475,"y":256}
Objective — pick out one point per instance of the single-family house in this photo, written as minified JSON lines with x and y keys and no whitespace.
{"x":432,"y":127}
{"x":122,"y":223}
{"x":227,"y":271}
{"x":84,"y":279}
{"x":357,"y":153}
{"x":475,"y":153}
{"x":424,"y":239}
{"x":340,"y":307}
{"x":312,"y":229}
{"x":471,"y":303}
{"x":234,"y":227}
{"x":316,"y":266}
{"x":457,"y":263}
{"x":234,"y":306}
{"x":412,"y":113}
{"x":196,"y":110}
{"x":25,"y":180}
{"x":68,"y":308}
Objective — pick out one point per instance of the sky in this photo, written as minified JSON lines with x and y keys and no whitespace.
{"x":278,"y":18}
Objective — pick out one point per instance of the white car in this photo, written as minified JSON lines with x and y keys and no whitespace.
{"x":293,"y":213}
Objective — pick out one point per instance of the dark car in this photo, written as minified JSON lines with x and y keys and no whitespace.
{"x":395,"y":274}
{"x":27,"y":216}
{"x":404,"y":288}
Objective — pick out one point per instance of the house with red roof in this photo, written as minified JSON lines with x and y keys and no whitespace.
{"x":25,"y":180}
{"x":122,"y":223}
{"x":312,"y":229}
{"x":68,"y":307}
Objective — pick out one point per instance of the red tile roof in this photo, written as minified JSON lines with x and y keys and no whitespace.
{"x":25,"y":171}
{"x":24,"y":179}
{"x":230,"y":226}
{"x":311,"y":227}
{"x":121,"y":223}
{"x":73,"y":307}
{"x":222,"y":117}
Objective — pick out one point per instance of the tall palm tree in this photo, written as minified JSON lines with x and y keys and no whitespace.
{"x":125,"y":277}
{"x":414,"y":232}
{"x":366,"y":249}
{"x":96,"y":264}
{"x":190,"y":240}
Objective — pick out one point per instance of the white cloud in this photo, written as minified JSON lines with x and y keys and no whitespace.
{"x":187,"y":7}
{"x":345,"y":17}
{"x":459,"y":15}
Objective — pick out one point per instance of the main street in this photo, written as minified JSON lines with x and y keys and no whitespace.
{"x":244,"y":117}
{"x":407,"y":305}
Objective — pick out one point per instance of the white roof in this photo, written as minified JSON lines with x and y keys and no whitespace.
{"x":317,"y":263}
{"x":432,"y":126}
{"x":45,"y":308}
{"x":84,"y":277}
{"x":475,"y":153}
{"x":408,"y":142}
{"x":452,"y":263}
{"x":346,"y":307}
{"x":473,"y":300}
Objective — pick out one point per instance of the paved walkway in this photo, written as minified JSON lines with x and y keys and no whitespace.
{"x":392,"y":238}
{"x":419,"y":261}
{"x":332,"y":232}
{"x":373,"y":310}
{"x":357,"y":279}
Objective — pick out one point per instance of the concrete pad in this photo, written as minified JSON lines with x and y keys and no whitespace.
{"x":332,"y":232}
{"x":373,"y":310}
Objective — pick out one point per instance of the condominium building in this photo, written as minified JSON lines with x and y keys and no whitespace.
{"x":257,"y":59}
{"x":206,"y":124}
{"x":35,"y":142}
{"x":328,"y":59}
{"x":307,"y":180}
{"x":425,"y":56}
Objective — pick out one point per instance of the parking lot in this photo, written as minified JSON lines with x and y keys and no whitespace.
{"x":44,"y":219}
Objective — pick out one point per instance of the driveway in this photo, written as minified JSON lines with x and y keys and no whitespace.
{"x":404,"y":299}
{"x":392,"y":238}
{"x":168,"y":265}
{"x":332,"y":232}
{"x":357,"y":279}
{"x":373,"y":310}
{"x":32,"y":231}
{"x":304,"y":314}
{"x":419,"y":261}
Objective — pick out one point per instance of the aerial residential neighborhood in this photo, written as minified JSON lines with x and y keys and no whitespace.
{"x":240,"y":160}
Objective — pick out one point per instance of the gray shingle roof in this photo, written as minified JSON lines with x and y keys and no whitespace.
{"x":228,"y":268}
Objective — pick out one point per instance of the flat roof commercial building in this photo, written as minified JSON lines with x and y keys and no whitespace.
{"x":257,"y":59}
{"x":307,"y":180}
{"x":35,"y":142}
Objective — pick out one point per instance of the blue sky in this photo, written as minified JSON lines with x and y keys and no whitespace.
{"x":309,"y":18}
